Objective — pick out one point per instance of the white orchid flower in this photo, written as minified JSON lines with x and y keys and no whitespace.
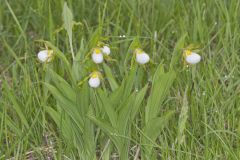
{"x":97,"y":56}
{"x":141,"y":56}
{"x":94,"y":80}
{"x":106,"y":50}
{"x":45,"y":56}
{"x":192,"y":57}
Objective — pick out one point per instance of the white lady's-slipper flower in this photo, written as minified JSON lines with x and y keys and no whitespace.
{"x":97,"y":56}
{"x":106,"y":50}
{"x":94,"y":80}
{"x":192,"y":57}
{"x":45,"y":55}
{"x":141,"y":56}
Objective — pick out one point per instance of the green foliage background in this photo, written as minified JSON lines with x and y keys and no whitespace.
{"x":176,"y":112}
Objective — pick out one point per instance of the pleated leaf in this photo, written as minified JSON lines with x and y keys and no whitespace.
{"x":161,"y":84}
{"x":113,"y":83}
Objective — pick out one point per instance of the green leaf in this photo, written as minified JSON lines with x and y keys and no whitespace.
{"x":68,"y":106}
{"x":106,"y":127}
{"x":108,"y":108}
{"x":67,"y":19}
{"x":124,"y":114}
{"x":68,"y":24}
{"x":62,"y":86}
{"x":161,"y":84}
{"x":56,"y":116}
{"x":151,"y":131}
{"x":89,"y":135}
{"x":83,"y":99}
{"x":95,"y":38}
{"x":60,"y":55}
{"x":155,"y":125}
{"x":135,"y":44}
{"x":138,"y":100}
{"x":81,"y":50}
{"x":113,"y":83}
{"x":116,"y":95}
{"x":178,"y":49}
{"x":129,"y":81}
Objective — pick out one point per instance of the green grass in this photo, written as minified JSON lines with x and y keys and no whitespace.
{"x":162,"y":110}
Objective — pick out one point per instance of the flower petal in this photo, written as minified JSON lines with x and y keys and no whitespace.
{"x":142,"y":58}
{"x":194,"y":58}
{"x":94,"y":82}
{"x":106,"y":50}
{"x":43,"y":56}
{"x":97,"y":58}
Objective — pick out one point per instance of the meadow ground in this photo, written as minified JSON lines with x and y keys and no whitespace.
{"x":162,"y":110}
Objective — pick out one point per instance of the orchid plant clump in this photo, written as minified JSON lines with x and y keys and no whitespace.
{"x":93,"y":97}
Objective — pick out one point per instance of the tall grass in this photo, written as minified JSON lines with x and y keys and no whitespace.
{"x":162,"y":110}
